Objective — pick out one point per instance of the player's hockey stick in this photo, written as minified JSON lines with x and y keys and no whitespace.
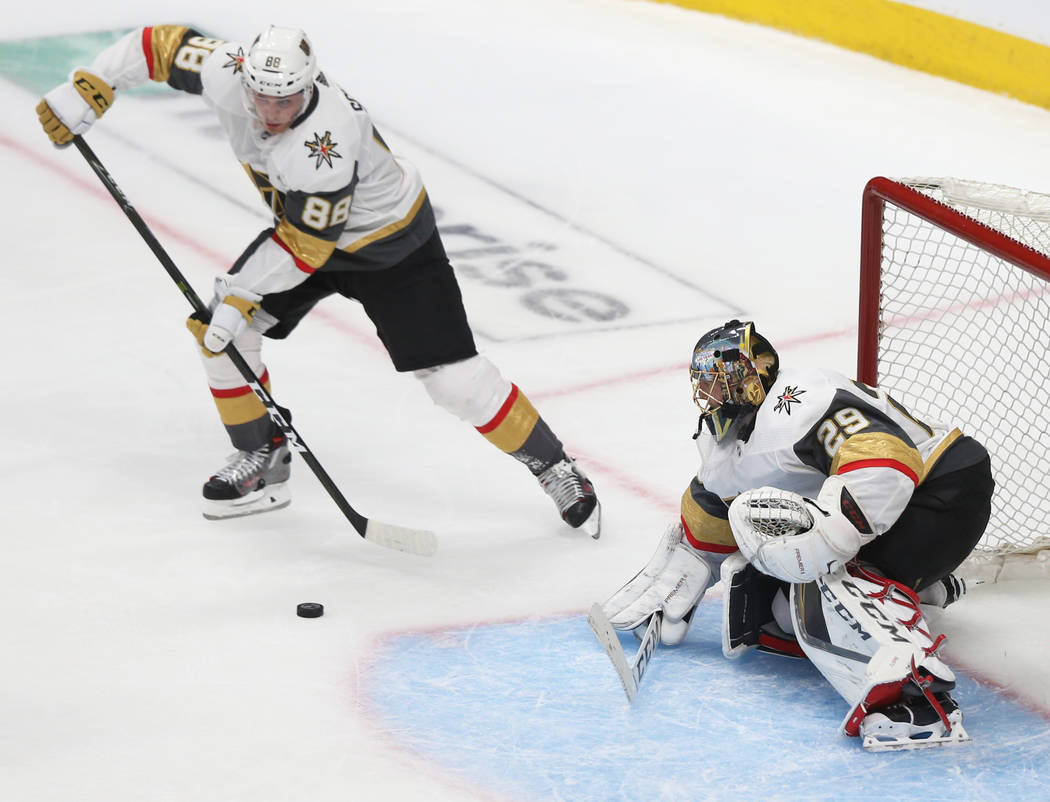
{"x":414,"y":541}
{"x":630,"y":675}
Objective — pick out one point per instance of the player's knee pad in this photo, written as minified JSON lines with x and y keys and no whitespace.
{"x":222,"y":374}
{"x":868,"y":638}
{"x":473,"y":389}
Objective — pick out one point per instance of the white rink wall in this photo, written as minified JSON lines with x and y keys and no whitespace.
{"x":1025,"y":18}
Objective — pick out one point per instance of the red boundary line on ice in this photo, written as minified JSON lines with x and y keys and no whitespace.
{"x":96,"y":192}
{"x":361,"y":697}
{"x":627,"y":482}
{"x":683,"y":366}
{"x":222,"y":261}
{"x":367,"y":339}
{"x":1017,"y":697}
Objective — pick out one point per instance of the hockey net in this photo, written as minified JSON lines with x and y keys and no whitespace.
{"x":955,"y":322}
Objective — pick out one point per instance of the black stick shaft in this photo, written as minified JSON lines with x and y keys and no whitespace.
{"x":360,"y":522}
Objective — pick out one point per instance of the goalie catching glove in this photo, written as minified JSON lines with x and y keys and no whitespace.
{"x":673,"y":581}
{"x":794,"y":538}
{"x":234,"y":310}
{"x":70,"y":109}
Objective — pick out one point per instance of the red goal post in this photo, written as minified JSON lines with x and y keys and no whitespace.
{"x":955,"y":322}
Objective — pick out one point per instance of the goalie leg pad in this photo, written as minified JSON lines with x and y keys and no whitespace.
{"x":618,"y":607}
{"x":778,"y":636}
{"x":868,"y":638}
{"x":672,"y":583}
{"x":748,"y":618}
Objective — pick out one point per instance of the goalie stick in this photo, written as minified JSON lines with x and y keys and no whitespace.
{"x":399,"y":538}
{"x":630,"y":676}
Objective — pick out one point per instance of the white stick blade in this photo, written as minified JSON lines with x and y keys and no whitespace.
{"x":400,"y":538}
{"x":606,"y":636}
{"x":650,"y":640}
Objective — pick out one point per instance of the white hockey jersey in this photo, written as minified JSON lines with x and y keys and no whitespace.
{"x":812,"y":425}
{"x":331,"y":182}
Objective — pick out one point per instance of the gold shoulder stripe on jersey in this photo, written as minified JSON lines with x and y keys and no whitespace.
{"x":165,"y":41}
{"x":876,"y":446}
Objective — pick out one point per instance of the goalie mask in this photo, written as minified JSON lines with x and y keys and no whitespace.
{"x":732,"y":368}
{"x":278,"y":75}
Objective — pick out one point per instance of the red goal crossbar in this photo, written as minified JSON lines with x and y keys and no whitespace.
{"x":877,"y":193}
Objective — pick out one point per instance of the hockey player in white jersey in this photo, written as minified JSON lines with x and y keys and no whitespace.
{"x":831,"y":514}
{"x":349,"y":218}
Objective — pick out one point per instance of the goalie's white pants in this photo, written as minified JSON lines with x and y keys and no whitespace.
{"x":866,"y":637}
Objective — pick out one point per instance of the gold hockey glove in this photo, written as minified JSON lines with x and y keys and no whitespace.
{"x":71,"y":108}
{"x":198,"y":328}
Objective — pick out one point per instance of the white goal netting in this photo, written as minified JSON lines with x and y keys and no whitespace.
{"x":964,"y":336}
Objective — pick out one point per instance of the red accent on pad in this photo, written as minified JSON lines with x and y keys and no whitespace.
{"x":503,"y":411}
{"x":298,"y":262}
{"x":880,"y":463}
{"x":857,"y":569}
{"x":699,"y":545}
{"x":781,"y":645}
{"x":147,"y":49}
{"x":237,"y":392}
{"x":880,"y":696}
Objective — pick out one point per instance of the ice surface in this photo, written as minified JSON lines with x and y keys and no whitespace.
{"x":685,"y":166}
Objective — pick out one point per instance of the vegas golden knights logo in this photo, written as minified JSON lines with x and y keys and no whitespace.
{"x":323,"y":149}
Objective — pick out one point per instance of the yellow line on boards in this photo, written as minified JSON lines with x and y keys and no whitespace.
{"x":912,"y":37}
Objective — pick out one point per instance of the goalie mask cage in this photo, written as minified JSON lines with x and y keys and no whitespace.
{"x":955,"y":322}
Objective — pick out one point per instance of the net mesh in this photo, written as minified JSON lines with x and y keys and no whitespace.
{"x":963,"y":337}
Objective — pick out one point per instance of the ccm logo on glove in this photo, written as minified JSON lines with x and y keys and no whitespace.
{"x":70,"y":109}
{"x":94,"y":90}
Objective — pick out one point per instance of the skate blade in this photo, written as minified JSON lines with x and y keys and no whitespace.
{"x":268,"y":499}
{"x":958,"y":735}
{"x":593,"y":525}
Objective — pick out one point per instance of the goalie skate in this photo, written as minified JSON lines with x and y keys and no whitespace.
{"x":914,"y":723}
{"x":250,"y":483}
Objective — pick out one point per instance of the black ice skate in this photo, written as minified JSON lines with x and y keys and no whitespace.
{"x":914,"y":723}
{"x":252,"y":482}
{"x":574,"y":494}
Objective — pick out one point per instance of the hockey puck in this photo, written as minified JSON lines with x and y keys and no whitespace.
{"x":309,"y":610}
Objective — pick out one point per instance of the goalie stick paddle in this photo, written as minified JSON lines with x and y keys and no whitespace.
{"x":630,"y":675}
{"x":400,"y":538}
